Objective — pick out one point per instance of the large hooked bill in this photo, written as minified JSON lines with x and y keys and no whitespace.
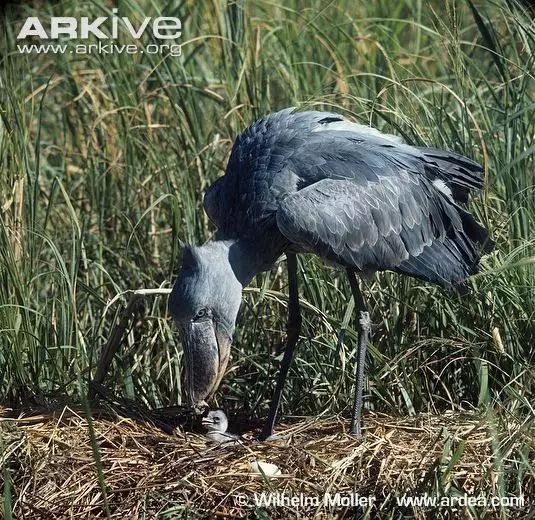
{"x":206,"y":352}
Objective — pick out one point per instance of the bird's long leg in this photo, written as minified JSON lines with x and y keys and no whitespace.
{"x":363,"y":318}
{"x":293,"y":329}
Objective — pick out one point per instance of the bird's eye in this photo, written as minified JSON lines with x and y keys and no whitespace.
{"x":202,"y":313}
{"x":216,"y":419}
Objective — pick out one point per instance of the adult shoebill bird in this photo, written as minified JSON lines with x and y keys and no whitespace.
{"x":313,"y":182}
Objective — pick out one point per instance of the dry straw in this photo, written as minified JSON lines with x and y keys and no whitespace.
{"x":149,"y":473}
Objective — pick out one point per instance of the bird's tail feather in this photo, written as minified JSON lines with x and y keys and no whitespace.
{"x":462,"y":175}
{"x":475,"y":232}
{"x":450,"y":261}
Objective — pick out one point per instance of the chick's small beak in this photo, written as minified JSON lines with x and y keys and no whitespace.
{"x":206,"y":353}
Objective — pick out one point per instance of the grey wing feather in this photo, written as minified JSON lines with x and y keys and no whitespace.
{"x":388,"y":225}
{"x":212,"y":200}
{"x":462,"y":175}
{"x":352,"y":195}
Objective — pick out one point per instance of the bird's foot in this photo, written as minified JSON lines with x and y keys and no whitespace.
{"x":355,"y":432}
{"x":263,"y":436}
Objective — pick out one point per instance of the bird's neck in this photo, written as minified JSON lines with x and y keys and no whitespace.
{"x":248,"y":258}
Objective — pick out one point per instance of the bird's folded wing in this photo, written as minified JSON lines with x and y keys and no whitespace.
{"x":397,"y":223}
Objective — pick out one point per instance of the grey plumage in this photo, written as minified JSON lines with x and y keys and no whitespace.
{"x":216,"y":423}
{"x":311,"y":181}
{"x":314,"y":182}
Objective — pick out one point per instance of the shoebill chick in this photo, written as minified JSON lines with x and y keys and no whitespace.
{"x":216,"y":423}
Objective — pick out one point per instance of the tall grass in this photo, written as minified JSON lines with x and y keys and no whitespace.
{"x":104,"y":159}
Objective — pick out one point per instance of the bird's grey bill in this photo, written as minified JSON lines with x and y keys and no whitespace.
{"x":206,"y":352}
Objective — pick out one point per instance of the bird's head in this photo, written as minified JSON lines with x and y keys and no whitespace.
{"x":216,"y":421}
{"x":204,"y":304}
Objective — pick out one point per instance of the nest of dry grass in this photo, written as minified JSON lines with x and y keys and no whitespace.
{"x":134,"y":470}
